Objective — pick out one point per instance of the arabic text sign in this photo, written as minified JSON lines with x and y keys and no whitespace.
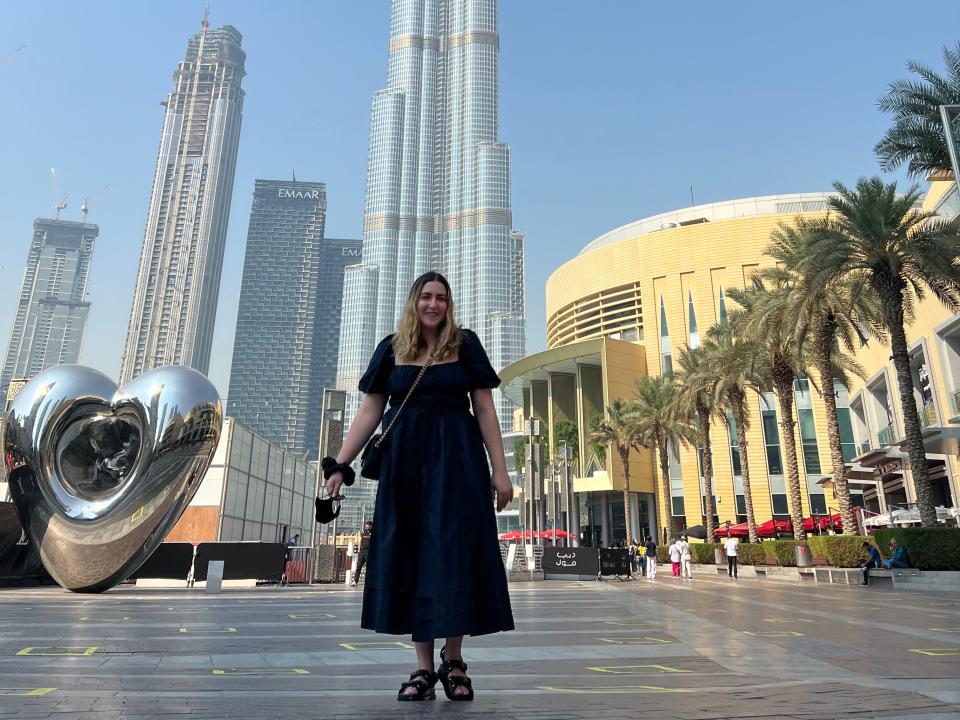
{"x":570,"y":561}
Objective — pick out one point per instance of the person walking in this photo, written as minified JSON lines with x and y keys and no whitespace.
{"x":434,"y":567}
{"x":364,"y":549}
{"x":651,"y":554}
{"x":674,"y":551}
{"x":686,"y":557}
{"x":632,"y":555}
{"x":730,"y":548}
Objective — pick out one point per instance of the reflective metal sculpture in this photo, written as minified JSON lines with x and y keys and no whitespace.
{"x":99,"y":474}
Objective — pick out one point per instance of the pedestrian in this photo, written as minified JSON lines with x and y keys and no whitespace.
{"x":898,"y":556}
{"x":651,"y":553}
{"x":730,"y":548}
{"x":364,"y":549}
{"x":674,"y":551}
{"x":686,"y":557}
{"x":434,"y":566}
{"x":632,"y":554}
{"x":873,"y":561}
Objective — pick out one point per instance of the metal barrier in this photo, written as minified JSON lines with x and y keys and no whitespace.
{"x":298,"y":565}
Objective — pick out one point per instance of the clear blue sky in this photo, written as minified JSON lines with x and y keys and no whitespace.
{"x":613,"y":110}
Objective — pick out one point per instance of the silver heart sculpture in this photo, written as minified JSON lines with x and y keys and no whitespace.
{"x":100,"y":475}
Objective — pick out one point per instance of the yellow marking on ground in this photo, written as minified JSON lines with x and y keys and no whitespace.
{"x":314,"y":616}
{"x":638,"y":623}
{"x":947,"y":630}
{"x":208,"y":631}
{"x":634,"y":669}
{"x":596,"y":690}
{"x":937,"y":652}
{"x":24,"y":692}
{"x":395,"y":645}
{"x":137,"y":515}
{"x":636,"y":641}
{"x":59,"y":651}
{"x":774,"y":633}
{"x":266,"y":671}
{"x":786,"y":620}
{"x":91,"y":618}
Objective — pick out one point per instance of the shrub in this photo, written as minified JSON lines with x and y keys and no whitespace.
{"x":781,"y":552}
{"x":703,"y":552}
{"x":750,"y":554}
{"x":844,"y":551}
{"x":663,"y":553}
{"x":927,"y":548}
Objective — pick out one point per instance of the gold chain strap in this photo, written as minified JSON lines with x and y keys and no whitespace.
{"x":413,"y":387}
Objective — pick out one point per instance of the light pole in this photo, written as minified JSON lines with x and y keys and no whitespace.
{"x":567,"y":454}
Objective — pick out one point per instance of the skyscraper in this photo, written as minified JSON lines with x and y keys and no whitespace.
{"x":52,"y":311}
{"x":288,"y":323}
{"x":438,"y":187}
{"x":178,"y":281}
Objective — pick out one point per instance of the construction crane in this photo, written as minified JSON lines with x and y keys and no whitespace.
{"x":85,"y":208}
{"x":60,"y":202}
{"x":7,"y":60}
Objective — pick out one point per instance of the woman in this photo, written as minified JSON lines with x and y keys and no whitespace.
{"x":674,"y":551}
{"x":434,"y":566}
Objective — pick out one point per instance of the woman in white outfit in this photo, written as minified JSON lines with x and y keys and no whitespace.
{"x":686,"y":556}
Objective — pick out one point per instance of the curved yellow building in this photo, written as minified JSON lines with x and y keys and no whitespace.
{"x":624,"y":306}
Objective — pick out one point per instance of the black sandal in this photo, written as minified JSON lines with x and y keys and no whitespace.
{"x":423,"y":681}
{"x":452,"y":682}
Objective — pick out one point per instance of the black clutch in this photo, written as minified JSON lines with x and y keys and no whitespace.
{"x":371,"y":458}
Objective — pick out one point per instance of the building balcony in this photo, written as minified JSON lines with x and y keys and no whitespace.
{"x":863,"y":447}
{"x":885,"y":437}
{"x":955,"y":407}
{"x":938,"y":438}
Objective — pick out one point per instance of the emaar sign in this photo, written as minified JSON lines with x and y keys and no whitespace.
{"x":305,"y":194}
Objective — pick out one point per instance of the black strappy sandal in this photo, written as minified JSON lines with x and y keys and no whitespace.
{"x":452,"y":682}
{"x":423,"y":681}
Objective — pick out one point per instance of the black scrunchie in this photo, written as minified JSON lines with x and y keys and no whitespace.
{"x":330,"y":466}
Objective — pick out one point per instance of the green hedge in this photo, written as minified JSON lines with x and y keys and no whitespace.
{"x":703,"y":552}
{"x":844,"y":551}
{"x":781,"y":552}
{"x":927,"y":548}
{"x":751,"y":554}
{"x":663,"y":553}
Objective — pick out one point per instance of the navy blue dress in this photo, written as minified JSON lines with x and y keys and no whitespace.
{"x":434,"y":568}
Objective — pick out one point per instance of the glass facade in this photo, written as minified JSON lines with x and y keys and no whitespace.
{"x":178,"y":281}
{"x":808,"y":439}
{"x":51,"y":313}
{"x":268,"y":493}
{"x":771,"y":441}
{"x":288,"y":323}
{"x":438,"y":188}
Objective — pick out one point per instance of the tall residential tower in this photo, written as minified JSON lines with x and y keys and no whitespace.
{"x":178,"y":282}
{"x":288,"y":323}
{"x":52,"y":310}
{"x":438,"y":187}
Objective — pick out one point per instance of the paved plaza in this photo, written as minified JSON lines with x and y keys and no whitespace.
{"x":707,"y":648}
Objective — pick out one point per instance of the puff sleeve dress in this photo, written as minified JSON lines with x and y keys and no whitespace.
{"x":434,"y":568}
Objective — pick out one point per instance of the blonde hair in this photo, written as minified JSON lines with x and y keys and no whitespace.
{"x":408,"y":342}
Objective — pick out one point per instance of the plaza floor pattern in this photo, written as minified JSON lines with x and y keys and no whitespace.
{"x":707,"y":648}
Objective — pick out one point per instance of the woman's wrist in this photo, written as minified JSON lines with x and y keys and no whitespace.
{"x":330,"y":466}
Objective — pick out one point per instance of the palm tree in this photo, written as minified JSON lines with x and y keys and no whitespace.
{"x":918,"y":137}
{"x":660,"y":426}
{"x":730,"y":357}
{"x":780,"y":360}
{"x":901,"y":253}
{"x":828,"y":315}
{"x":695,"y":398}
{"x":620,"y":430}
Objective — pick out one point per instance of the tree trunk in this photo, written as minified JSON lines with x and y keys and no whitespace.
{"x":919,"y":468}
{"x":740,"y":417}
{"x":784,"y":388}
{"x":823,"y":359}
{"x":704,"y":415}
{"x":625,"y":460}
{"x":665,"y":489}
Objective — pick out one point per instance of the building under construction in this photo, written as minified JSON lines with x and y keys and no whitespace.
{"x":178,"y":281}
{"x":52,"y":310}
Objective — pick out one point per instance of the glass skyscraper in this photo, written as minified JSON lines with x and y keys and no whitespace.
{"x":52,"y":311}
{"x":178,"y":281}
{"x":288,"y":323}
{"x":438,"y":188}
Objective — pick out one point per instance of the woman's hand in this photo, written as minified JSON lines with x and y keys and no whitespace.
{"x":502,"y":489}
{"x":334,"y":483}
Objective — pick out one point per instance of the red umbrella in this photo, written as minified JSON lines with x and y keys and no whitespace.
{"x":514,"y":535}
{"x":770,"y":528}
{"x":825,"y":521}
{"x":553,"y":534}
{"x":735,"y":531}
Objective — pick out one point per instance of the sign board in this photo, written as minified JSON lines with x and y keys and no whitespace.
{"x":581,"y":561}
{"x":614,"y":561}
